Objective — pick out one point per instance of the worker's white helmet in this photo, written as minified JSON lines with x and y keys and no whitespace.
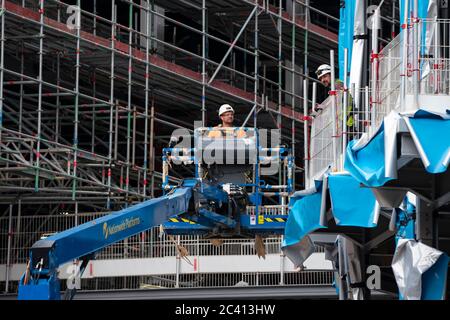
{"x":225,"y":108}
{"x":323,"y":70}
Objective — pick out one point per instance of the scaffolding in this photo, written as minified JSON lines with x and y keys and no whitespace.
{"x":91,"y":91}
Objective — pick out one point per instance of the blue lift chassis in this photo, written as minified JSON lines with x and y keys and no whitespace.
{"x":40,"y":281}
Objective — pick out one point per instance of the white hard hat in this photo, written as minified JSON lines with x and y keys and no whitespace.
{"x":225,"y":108}
{"x":323,"y":70}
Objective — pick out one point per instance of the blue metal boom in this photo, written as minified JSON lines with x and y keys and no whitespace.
{"x":40,"y":282}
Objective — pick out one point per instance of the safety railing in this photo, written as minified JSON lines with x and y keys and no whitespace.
{"x":268,"y":210}
{"x":387,"y":87}
{"x":325,"y":140}
{"x":430,"y":65}
{"x":396,"y":84}
{"x":150,"y":244}
{"x":202,"y":280}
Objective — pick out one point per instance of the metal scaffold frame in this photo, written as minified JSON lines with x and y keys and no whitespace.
{"x":85,"y":109}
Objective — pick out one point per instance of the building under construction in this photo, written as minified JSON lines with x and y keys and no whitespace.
{"x":91,"y":91}
{"x":86,"y":111}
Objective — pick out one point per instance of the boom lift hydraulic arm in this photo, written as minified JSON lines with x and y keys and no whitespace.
{"x":40,"y":281}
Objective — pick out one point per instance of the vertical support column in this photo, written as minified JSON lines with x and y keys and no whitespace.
{"x":306,"y":71}
{"x":147,"y":76}
{"x":415,"y":55}
{"x":94,"y":93}
{"x":367,"y":104}
{"x":58,"y":101}
{"x":2,"y":63}
{"x":306,"y":85}
{"x":178,"y":263}
{"x":8,"y":257}
{"x":152,"y":149}
{"x":282,"y":263}
{"x":152,"y":26}
{"x":437,"y":73}
{"x":111,"y":102}
{"x":305,"y":128}
{"x":21,"y":92}
{"x":393,"y":21}
{"x":374,"y":59}
{"x":94,"y":29}
{"x":345,"y":107}
{"x":293,"y":88}
{"x":341,"y":270}
{"x":334,"y":111}
{"x":39,"y":119}
{"x":255,"y":107}
{"x":404,"y":69}
{"x":130,"y":72}
{"x":116,"y":132}
{"x":18,"y":247}
{"x":76,"y":214}
{"x":133,"y":140}
{"x":424,"y":222}
{"x":203,"y":63}
{"x":77,"y":93}
{"x":280,"y":77}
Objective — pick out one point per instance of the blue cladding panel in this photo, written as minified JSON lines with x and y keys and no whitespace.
{"x":367,"y":165}
{"x":346,"y":23}
{"x":352,"y":205}
{"x":303,"y":218}
{"x":433,"y":135}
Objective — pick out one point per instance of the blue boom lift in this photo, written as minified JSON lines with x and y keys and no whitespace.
{"x":222,"y":200}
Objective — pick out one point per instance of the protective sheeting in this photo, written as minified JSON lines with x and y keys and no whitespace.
{"x":432,"y":139}
{"x":345,"y":257}
{"x":358,"y":51}
{"x":420,"y":270}
{"x":373,"y":162}
{"x":404,"y":221}
{"x":304,"y":216}
{"x":351,"y":204}
{"x":366,"y":164}
{"x":429,"y":8}
{"x":346,"y":19}
{"x":299,"y":252}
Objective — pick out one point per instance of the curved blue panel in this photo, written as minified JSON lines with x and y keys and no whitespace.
{"x":304,"y":217}
{"x":352,"y":205}
{"x":367,"y":165}
{"x":433,"y":135}
{"x":346,"y":23}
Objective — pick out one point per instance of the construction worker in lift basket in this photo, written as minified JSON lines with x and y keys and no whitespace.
{"x":226,"y":128}
{"x":323,"y":73}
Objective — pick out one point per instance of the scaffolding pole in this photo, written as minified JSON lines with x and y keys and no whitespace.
{"x":2,"y":64}
{"x":111,"y":101}
{"x":280,"y":77}
{"x":147,"y":76}
{"x":204,"y":75}
{"x":77,"y":89}
{"x":293,"y":34}
{"x":129,"y":84}
{"x":38,"y":134}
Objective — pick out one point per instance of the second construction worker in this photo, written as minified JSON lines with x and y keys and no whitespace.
{"x":324,"y":75}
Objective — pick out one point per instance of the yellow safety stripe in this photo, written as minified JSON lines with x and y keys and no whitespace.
{"x":182,"y":220}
